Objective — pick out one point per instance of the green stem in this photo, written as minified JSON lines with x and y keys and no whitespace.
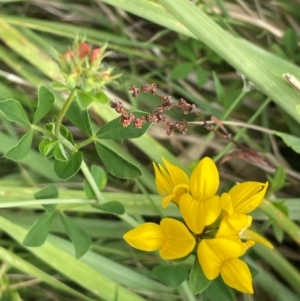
{"x":60,"y":118}
{"x":284,"y":268}
{"x":185,"y":290}
{"x":85,"y":142}
{"x":88,"y":176}
{"x":44,"y":202}
{"x":283,"y":221}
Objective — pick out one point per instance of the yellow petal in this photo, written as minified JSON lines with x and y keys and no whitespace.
{"x":236,"y":274}
{"x":213,"y":252}
{"x":163,"y":184}
{"x":171,"y":182}
{"x":226,"y":203}
{"x":204,"y":181}
{"x":146,"y":237}
{"x":198,"y":214}
{"x":177,"y":175}
{"x":247,"y":196}
{"x":251,"y":235}
{"x":231,"y":226}
{"x":179,"y":242}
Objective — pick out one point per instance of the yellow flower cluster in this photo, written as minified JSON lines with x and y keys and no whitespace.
{"x":218,"y":225}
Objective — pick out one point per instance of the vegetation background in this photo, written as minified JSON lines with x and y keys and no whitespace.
{"x":226,"y":57}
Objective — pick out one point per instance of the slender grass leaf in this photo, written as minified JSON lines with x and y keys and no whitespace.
{"x":100,"y":178}
{"x":219,"y":89}
{"x":172,"y":275}
{"x":26,"y":267}
{"x":80,"y":239}
{"x":14,"y":112}
{"x":197,"y":279}
{"x":21,"y":150}
{"x":48,"y":192}
{"x":67,"y":169}
{"x":55,"y":253}
{"x":256,"y":64}
{"x":298,"y":109}
{"x":111,"y":207}
{"x":115,"y":164}
{"x":45,"y":103}
{"x":292,"y":141}
{"x":115,"y":130}
{"x":37,"y":235}
{"x":29,"y":51}
{"x":80,"y":118}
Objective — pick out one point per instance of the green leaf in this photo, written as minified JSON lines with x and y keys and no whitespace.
{"x":48,"y":192}
{"x":101,"y":97}
{"x":290,"y":42}
{"x":112,"y":207}
{"x":172,"y":275}
{"x":115,"y":164}
{"x":201,"y":74}
{"x":185,"y":49}
{"x":38,"y":233}
{"x":292,"y":141}
{"x":21,"y":150}
{"x":46,"y":148}
{"x":80,"y":118}
{"x":58,"y":86}
{"x":115,"y":130}
{"x":67,"y":169}
{"x":14,"y":112}
{"x":181,"y":70}
{"x":84,"y":99}
{"x":45,"y":103}
{"x":278,"y":179}
{"x":100,"y":178}
{"x":80,"y":239}
{"x":59,"y":152}
{"x":197,"y":279}
{"x":218,"y":290}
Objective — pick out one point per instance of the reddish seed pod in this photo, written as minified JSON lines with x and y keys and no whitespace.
{"x":95,"y":55}
{"x":84,"y":49}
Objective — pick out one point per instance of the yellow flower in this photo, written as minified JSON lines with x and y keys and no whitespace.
{"x":235,"y":225}
{"x":220,"y":256}
{"x":247,"y":196}
{"x":201,"y":207}
{"x":171,"y":182}
{"x":171,"y":238}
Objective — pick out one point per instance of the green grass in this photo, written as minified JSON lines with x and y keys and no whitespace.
{"x":213,"y":56}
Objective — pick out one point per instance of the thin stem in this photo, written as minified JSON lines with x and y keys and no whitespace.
{"x":242,"y":131}
{"x":44,"y":202}
{"x":85,"y":142}
{"x":60,"y":118}
{"x":158,"y":209}
{"x":185,"y":290}
{"x":239,"y":124}
{"x":88,"y":176}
